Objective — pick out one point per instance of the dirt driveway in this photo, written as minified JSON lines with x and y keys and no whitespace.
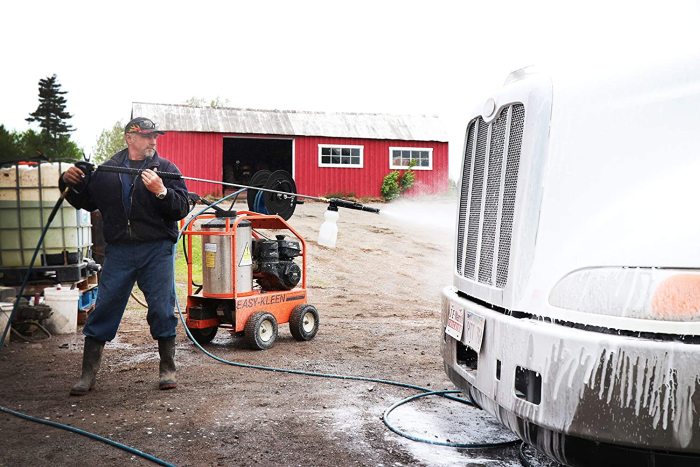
{"x":378,"y":298}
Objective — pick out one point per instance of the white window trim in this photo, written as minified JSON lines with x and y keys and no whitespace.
{"x":402,"y":167}
{"x":342,"y":166}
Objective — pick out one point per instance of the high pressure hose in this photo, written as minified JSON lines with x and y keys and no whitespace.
{"x":88,"y":434}
{"x":424,"y":391}
{"x":338,"y":202}
{"x":385,"y":418}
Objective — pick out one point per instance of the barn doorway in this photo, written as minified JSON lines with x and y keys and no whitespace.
{"x":245,"y":156}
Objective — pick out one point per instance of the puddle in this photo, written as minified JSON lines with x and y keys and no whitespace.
{"x":441,"y":420}
{"x":139,"y":358}
{"x":438,"y":420}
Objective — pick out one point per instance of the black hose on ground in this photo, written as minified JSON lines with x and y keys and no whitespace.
{"x":87,"y":434}
{"x":385,"y":419}
{"x":424,"y":391}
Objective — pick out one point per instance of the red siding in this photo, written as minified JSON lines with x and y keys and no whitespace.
{"x":367,"y":181}
{"x":198,"y":155}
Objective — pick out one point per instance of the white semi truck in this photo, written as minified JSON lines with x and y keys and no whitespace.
{"x":574,"y":317}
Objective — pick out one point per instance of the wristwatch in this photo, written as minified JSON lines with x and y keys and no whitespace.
{"x":162,"y":194}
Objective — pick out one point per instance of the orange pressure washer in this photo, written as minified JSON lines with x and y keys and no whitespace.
{"x":251,"y":282}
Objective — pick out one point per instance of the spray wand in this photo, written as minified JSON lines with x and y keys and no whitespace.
{"x":88,"y":168}
{"x":278,"y":202}
{"x":343,"y":203}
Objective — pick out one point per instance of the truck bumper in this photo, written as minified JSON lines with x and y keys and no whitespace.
{"x":558,"y":387}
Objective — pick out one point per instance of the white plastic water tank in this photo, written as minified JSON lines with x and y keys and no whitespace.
{"x":28,"y":193}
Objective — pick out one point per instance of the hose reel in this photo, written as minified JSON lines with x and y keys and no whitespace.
{"x":267,"y":202}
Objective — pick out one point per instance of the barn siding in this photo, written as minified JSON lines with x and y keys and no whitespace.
{"x":365,"y":182}
{"x":200,"y":155}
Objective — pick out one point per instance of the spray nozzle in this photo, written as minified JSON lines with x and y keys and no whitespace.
{"x":335,"y":203}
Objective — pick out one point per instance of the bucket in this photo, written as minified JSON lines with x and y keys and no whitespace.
{"x":5,"y":312}
{"x":64,"y":303}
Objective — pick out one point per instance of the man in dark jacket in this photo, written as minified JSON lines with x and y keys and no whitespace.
{"x":140,"y":214}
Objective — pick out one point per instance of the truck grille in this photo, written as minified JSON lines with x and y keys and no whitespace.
{"x":489,"y":184}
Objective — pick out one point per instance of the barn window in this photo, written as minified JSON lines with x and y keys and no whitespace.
{"x":403,"y":158}
{"x":334,"y":155}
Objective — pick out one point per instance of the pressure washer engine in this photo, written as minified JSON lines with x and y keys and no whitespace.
{"x":273,"y":263}
{"x":251,"y":282}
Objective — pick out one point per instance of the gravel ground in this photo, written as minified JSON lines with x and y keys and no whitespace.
{"x":377,"y":294}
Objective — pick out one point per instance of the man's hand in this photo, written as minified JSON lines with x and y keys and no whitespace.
{"x":73,"y":176}
{"x":152,"y":181}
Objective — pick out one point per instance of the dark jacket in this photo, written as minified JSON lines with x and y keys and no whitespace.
{"x":149,"y":219}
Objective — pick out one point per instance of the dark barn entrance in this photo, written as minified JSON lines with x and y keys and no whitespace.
{"x":245,"y":156}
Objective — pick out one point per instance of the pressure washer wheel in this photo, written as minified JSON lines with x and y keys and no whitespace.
{"x":204,"y":336}
{"x":303,"y":323}
{"x":260,"y":331}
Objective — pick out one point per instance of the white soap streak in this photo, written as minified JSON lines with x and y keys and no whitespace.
{"x":658,"y":385}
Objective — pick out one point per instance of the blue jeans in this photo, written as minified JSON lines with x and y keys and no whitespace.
{"x":150,"y":265}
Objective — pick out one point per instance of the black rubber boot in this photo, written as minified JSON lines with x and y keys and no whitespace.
{"x":92,"y":355}
{"x":166,"y":349}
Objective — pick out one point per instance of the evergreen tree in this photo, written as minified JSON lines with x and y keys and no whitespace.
{"x":51,"y":113}
{"x":54,"y":141}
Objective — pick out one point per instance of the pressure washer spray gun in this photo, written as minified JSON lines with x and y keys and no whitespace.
{"x":269,"y":193}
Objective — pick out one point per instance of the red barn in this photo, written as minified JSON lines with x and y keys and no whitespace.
{"x":326,"y":153}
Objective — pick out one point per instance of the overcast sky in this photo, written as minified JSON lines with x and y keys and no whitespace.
{"x":432,"y":57}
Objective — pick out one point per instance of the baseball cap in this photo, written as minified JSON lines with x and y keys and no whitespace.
{"x":142,"y":126}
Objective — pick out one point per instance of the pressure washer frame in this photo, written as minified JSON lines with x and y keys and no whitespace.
{"x":204,"y":315}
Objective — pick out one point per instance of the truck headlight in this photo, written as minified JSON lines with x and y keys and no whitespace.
{"x":633,"y":292}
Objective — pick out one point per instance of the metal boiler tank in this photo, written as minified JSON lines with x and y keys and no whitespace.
{"x":217,"y":258}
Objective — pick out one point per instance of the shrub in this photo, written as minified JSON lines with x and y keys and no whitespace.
{"x":390,"y":186}
{"x":407,"y":180}
{"x":395,"y":183}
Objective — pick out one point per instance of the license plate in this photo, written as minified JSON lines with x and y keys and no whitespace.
{"x":474,"y":331}
{"x":472,"y":327}
{"x":455,"y":322}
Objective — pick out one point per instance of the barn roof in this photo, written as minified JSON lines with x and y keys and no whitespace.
{"x":173,"y":117}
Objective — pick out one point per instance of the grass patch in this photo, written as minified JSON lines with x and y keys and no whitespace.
{"x":181,"y":263}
